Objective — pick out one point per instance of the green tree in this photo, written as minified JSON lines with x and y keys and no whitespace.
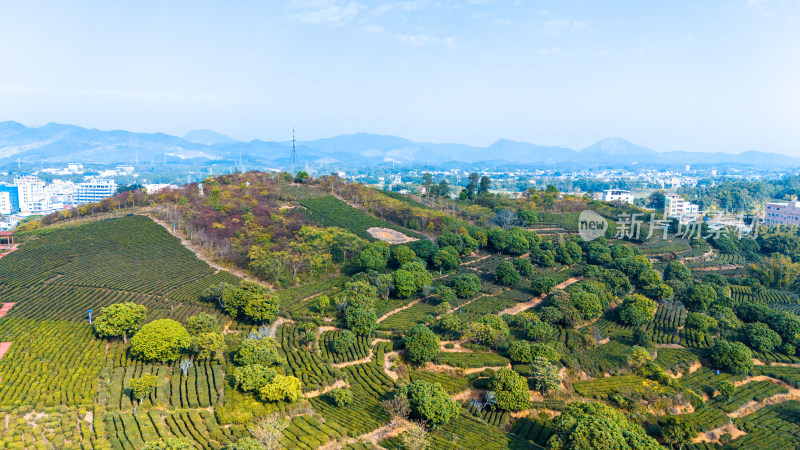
{"x":402,"y":254}
{"x":466,"y":285}
{"x":543,"y":285}
{"x":675,"y":270}
{"x":760,"y":337}
{"x":261,"y":308}
{"x":485,"y":183}
{"x":732,"y":357}
{"x":322,"y":303}
{"x":585,"y":425}
{"x":506,"y":274}
{"x":341,"y":397}
{"x":538,"y":331}
{"x":637,"y":309}
{"x":384,"y":283}
{"x":727,"y":390}
{"x":202,"y":323}
{"x":421,"y":343}
{"x":446,"y":259}
{"x":545,"y":375}
{"x":208,"y":345}
{"x":429,"y":402}
{"x":698,"y":298}
{"x":160,"y":340}
{"x":777,"y":271}
{"x":472,"y":185}
{"x":445,"y":294}
{"x":120,"y":320}
{"x":409,"y":279}
{"x":301,"y":177}
{"x":510,"y":390}
{"x":700,"y":321}
{"x":678,"y":432}
{"x":375,"y":256}
{"x":343,"y":341}
{"x":262,"y":351}
{"x":489,"y":330}
{"x":252,"y":377}
{"x":361,"y":320}
{"x":281,"y":388}
{"x":142,"y":387}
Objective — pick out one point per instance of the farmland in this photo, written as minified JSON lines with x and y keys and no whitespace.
{"x":414,"y":322}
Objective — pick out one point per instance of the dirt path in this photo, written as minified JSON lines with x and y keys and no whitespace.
{"x":476,"y":260}
{"x":397,"y":310}
{"x":753,"y":406}
{"x":759,"y":362}
{"x":445,"y":368}
{"x":6,"y":308}
{"x":388,"y":362}
{"x":4,"y":346}
{"x":519,"y":307}
{"x":693,"y":368}
{"x":338,"y":384}
{"x":191,"y":246}
{"x":273,"y":327}
{"x":716,"y":433}
{"x":10,"y":250}
{"x":456,"y":347}
{"x":669,"y":346}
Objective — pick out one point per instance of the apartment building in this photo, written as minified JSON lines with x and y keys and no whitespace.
{"x":677,"y":207}
{"x":94,"y":190}
{"x":782,"y":213}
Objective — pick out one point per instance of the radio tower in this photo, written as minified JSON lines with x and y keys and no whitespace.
{"x":293,"y":158}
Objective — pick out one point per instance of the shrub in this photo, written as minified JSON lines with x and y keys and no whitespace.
{"x":700,"y":321}
{"x":506,"y":274}
{"x":698,"y":297}
{"x":429,"y":402}
{"x":202,"y":323}
{"x":253,"y":377}
{"x":543,"y":285}
{"x":760,"y":337}
{"x":281,"y":388}
{"x":466,"y":285}
{"x":343,"y":341}
{"x":262,"y":351}
{"x":341,"y":397}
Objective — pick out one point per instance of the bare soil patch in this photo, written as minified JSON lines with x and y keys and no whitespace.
{"x":6,"y":308}
{"x":389,"y":235}
{"x":519,"y":307}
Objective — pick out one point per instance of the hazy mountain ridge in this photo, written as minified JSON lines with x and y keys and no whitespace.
{"x":60,"y":143}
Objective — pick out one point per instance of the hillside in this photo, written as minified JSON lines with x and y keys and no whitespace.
{"x":513,"y":333}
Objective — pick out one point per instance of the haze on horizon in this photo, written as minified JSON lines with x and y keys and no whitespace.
{"x":681,"y":75}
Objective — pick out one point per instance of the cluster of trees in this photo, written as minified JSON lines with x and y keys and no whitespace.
{"x":248,"y":301}
{"x":256,"y":359}
{"x":160,"y":340}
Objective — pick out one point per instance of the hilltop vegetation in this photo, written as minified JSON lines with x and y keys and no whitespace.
{"x":497,"y":328}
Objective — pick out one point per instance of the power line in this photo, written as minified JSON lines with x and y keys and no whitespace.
{"x":293,"y":158}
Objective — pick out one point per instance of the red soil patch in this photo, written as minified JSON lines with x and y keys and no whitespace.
{"x":13,"y":247}
{"x":4,"y":346}
{"x":6,"y":308}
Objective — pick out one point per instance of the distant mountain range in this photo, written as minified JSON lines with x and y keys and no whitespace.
{"x":57,"y":143}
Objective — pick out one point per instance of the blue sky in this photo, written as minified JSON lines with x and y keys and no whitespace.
{"x":670,"y":75}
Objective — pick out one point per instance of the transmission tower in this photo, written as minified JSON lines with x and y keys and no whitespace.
{"x":293,"y":158}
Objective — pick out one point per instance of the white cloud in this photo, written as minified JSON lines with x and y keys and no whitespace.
{"x":328,"y":14}
{"x":561,"y":27}
{"x":421,"y":40}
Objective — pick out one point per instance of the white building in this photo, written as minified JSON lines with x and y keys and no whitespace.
{"x":782,"y":213}
{"x":153,"y":188}
{"x":94,"y":190}
{"x":31,"y":190}
{"x":675,"y":206}
{"x":617,"y":195}
{"x":125,"y":169}
{"x":75,"y":167}
{"x":5,"y":203}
